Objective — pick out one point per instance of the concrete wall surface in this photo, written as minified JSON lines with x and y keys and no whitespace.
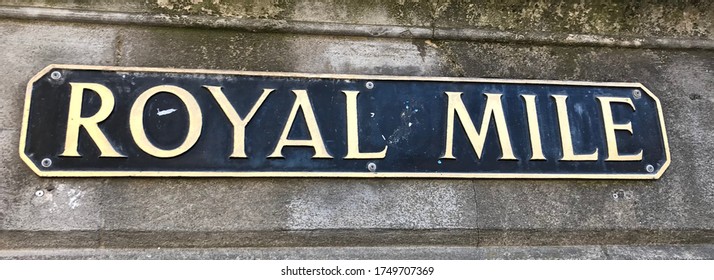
{"x":666,"y":45}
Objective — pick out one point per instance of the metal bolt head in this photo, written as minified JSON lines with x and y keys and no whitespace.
{"x":55,"y":75}
{"x":649,"y":168}
{"x":39,"y":193}
{"x":46,"y":162}
{"x":372,"y":167}
{"x":637,"y":94}
{"x":369,"y":85}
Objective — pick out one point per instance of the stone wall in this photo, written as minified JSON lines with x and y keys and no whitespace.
{"x":672,"y":217}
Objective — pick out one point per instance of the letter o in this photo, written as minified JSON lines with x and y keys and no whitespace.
{"x":136,"y":121}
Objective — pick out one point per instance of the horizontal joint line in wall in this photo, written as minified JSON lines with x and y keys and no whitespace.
{"x":349,"y":29}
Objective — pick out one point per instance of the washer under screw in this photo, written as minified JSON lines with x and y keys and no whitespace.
{"x":649,"y":168}
{"x":46,"y":162}
{"x":637,"y":94}
{"x":56,"y":75}
{"x":39,"y":193}
{"x":372,"y":167}
{"x":369,"y":85}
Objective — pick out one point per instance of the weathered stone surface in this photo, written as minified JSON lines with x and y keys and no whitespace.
{"x":396,"y":204}
{"x":67,"y":204}
{"x":584,"y":252}
{"x":195,"y":205}
{"x":662,"y":252}
{"x":195,"y":48}
{"x":363,"y":56}
{"x":71,"y":204}
{"x":645,"y":18}
{"x":648,"y":18}
{"x":668,"y":252}
{"x":284,"y":204}
{"x":169,"y":212}
{"x":26,"y":46}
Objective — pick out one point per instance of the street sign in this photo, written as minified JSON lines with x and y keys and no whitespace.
{"x":123,"y":121}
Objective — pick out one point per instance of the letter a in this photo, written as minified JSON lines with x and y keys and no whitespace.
{"x":315,"y":141}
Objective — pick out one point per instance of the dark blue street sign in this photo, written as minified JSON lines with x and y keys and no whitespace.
{"x":119,"y":121}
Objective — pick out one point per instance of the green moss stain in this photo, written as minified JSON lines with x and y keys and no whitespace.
{"x":196,"y":48}
{"x":683,"y":18}
{"x":230,"y":8}
{"x":653,"y":17}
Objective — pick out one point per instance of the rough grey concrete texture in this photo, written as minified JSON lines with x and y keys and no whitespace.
{"x":26,"y":45}
{"x":264,"y":212}
{"x":219,"y":49}
{"x":689,"y":18}
{"x":657,"y":252}
{"x":20,"y":51}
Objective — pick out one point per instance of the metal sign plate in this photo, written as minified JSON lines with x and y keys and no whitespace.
{"x":119,"y":121}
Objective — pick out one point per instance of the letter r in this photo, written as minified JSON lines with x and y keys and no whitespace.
{"x":90,"y":124}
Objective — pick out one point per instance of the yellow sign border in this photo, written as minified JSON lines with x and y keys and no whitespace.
{"x":302,"y":174}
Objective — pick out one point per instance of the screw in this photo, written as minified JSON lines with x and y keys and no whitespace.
{"x":372,"y":167}
{"x":56,"y":75}
{"x":39,"y":193}
{"x":46,"y":162}
{"x":649,"y":168}
{"x":637,"y":93}
{"x":369,"y":85}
